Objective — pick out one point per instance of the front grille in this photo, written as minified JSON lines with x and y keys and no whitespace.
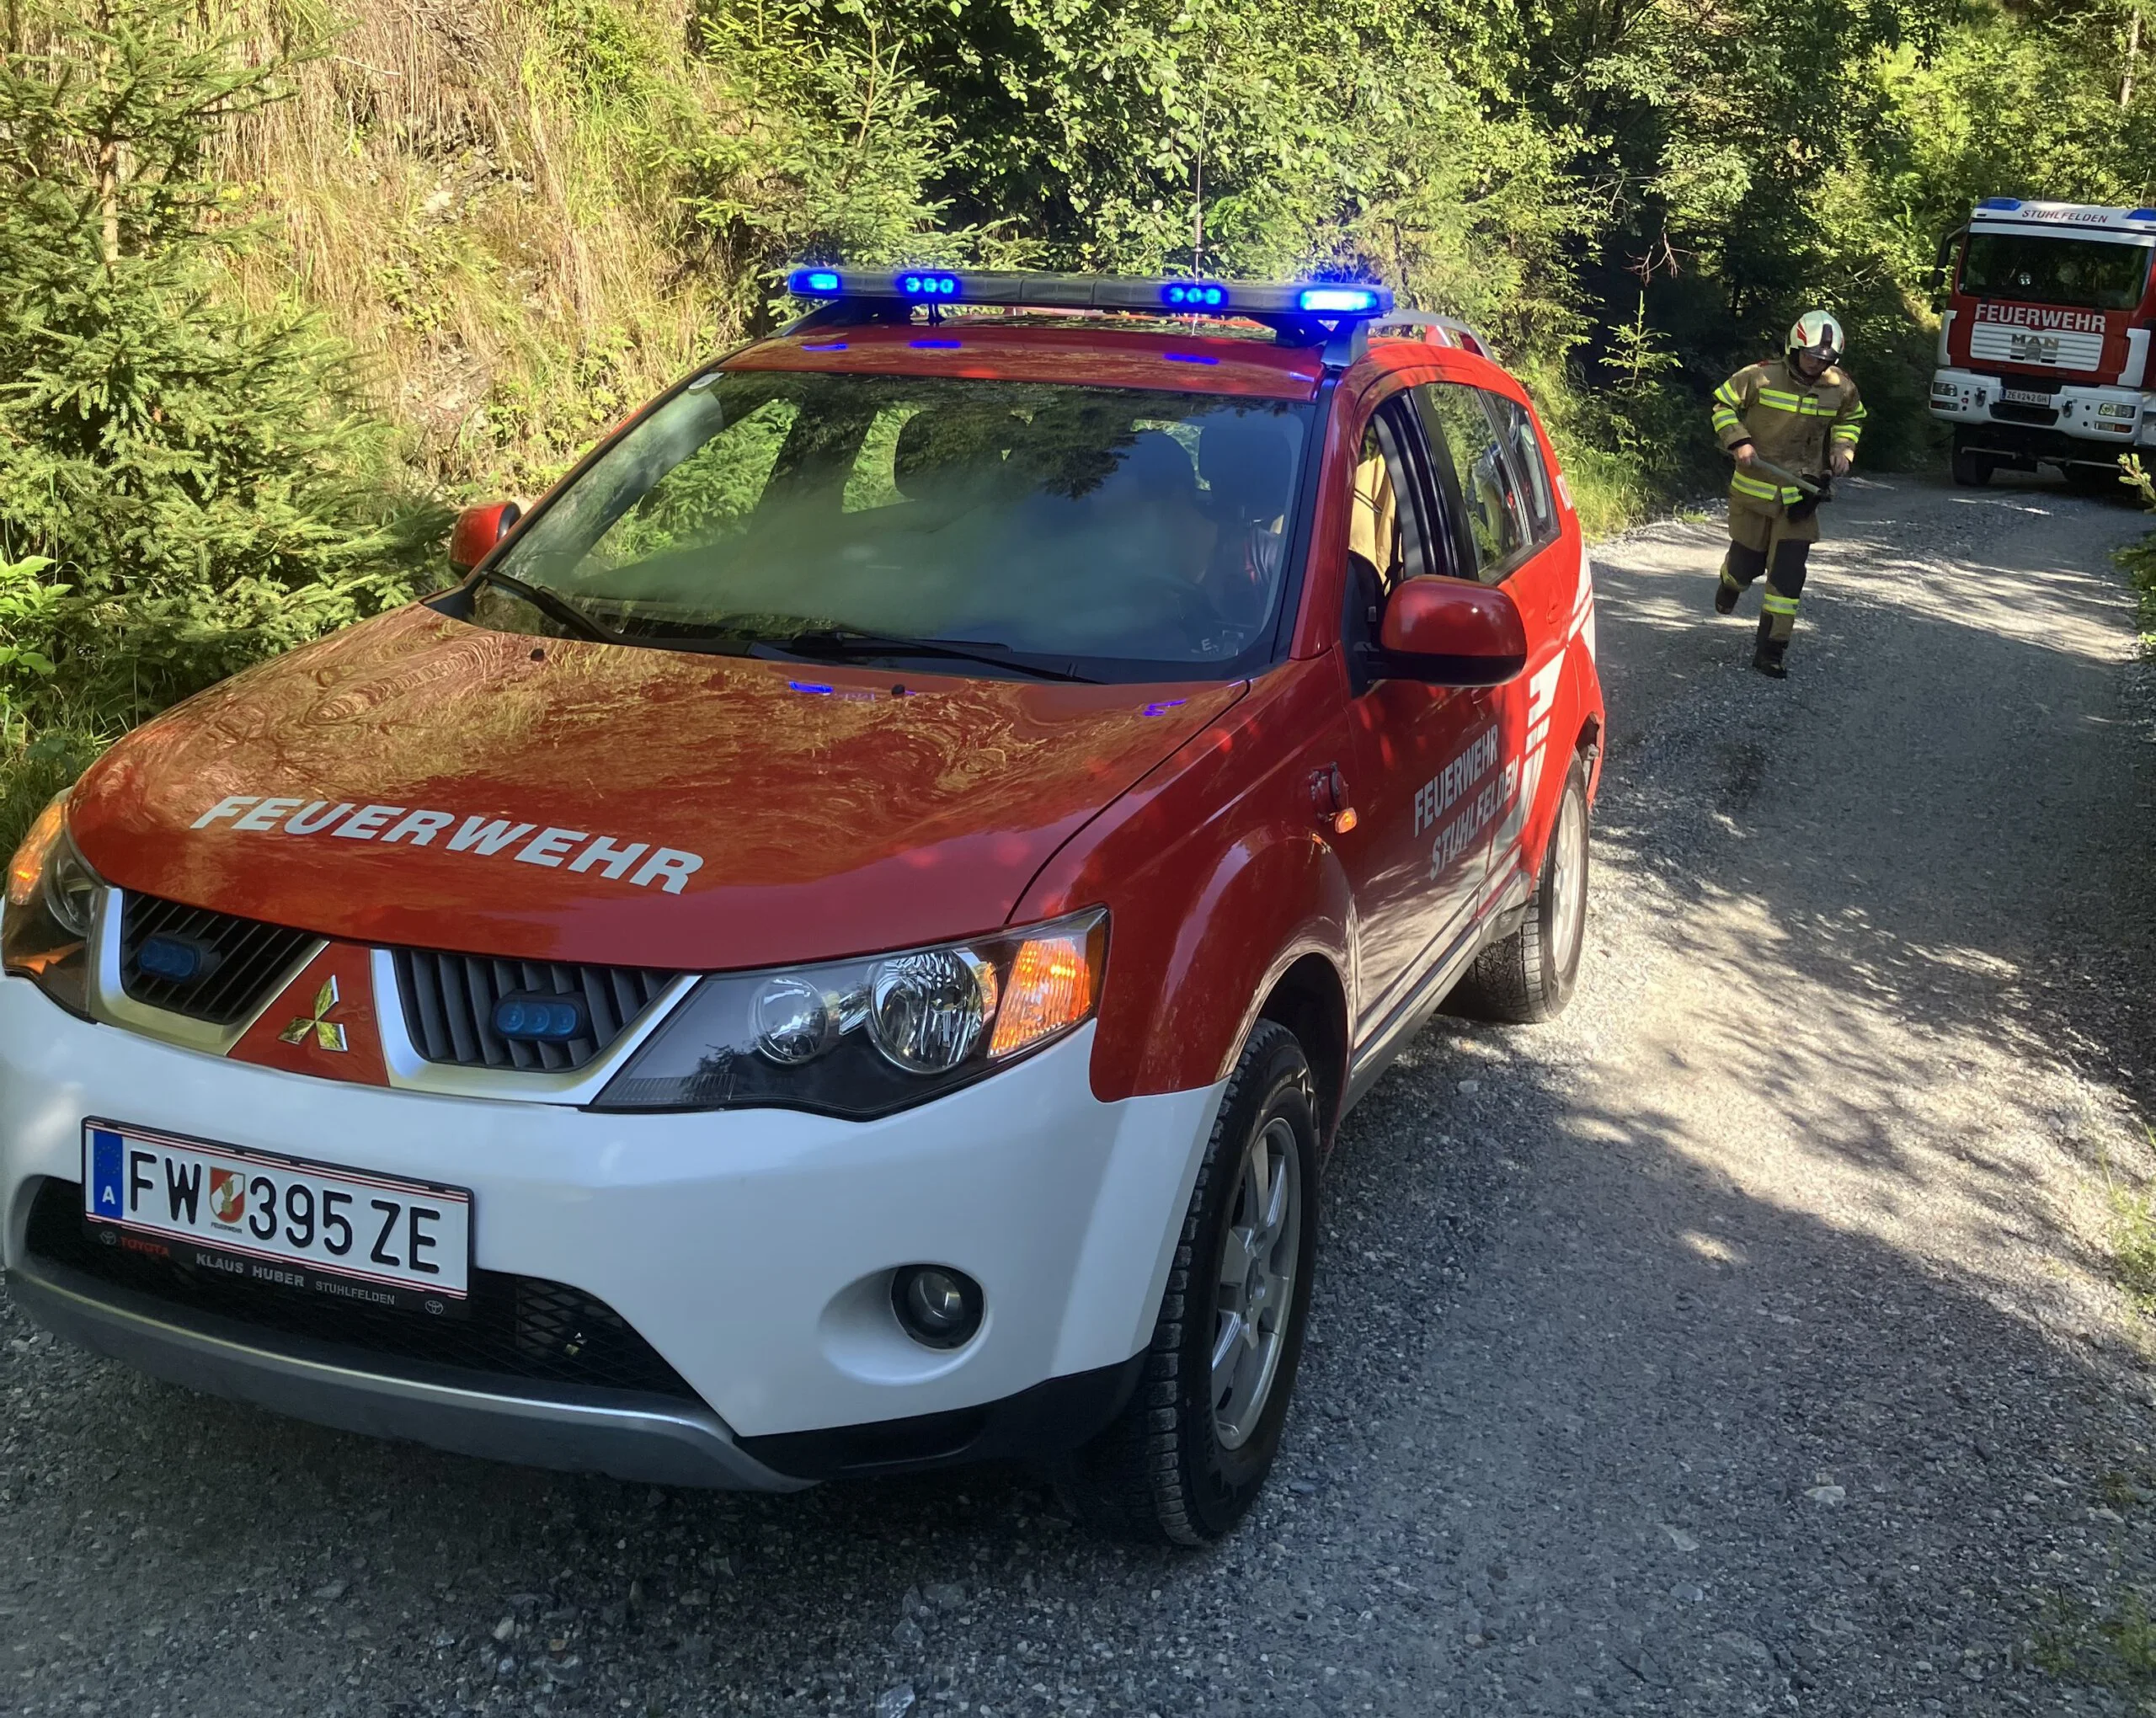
{"x":242,"y":959}
{"x":450,"y":1000}
{"x":516,"y":1327}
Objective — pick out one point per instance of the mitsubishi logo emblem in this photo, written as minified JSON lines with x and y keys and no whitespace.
{"x":327,"y":1034}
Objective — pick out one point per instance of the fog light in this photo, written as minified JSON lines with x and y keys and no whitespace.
{"x":939,"y":1308}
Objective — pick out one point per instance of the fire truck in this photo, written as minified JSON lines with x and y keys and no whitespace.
{"x":2043,"y":342}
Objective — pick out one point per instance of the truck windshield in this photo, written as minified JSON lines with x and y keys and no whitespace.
{"x":2035,"y":268}
{"x":1104,"y":533}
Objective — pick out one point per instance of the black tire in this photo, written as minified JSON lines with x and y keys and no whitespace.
{"x":1161,"y":1472}
{"x":1529,"y":975}
{"x":1972,"y":471}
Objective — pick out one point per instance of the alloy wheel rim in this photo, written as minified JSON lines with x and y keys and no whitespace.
{"x":1568,"y":880}
{"x":1255,"y":1282}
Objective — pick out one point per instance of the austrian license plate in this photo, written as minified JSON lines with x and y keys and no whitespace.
{"x":342,"y":1235}
{"x":2024,"y":396}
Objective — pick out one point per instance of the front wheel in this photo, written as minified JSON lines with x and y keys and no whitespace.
{"x":1972,"y":470}
{"x":1189,"y":1454}
{"x":1529,"y":975}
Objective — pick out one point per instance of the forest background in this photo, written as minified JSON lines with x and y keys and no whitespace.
{"x":282,"y":281}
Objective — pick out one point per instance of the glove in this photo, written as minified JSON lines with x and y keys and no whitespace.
{"x":1806,"y":506}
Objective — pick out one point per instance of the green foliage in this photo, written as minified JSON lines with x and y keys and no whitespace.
{"x":199,"y":484}
{"x":571,"y":196}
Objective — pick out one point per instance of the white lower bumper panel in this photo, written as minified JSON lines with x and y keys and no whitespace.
{"x":752,"y":1249}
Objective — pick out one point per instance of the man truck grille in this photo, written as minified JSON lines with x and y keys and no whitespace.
{"x":513,"y":1327}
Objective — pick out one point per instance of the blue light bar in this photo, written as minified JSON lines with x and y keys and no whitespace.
{"x":1323,"y":301}
{"x":937,"y":286}
{"x":2000,"y":203}
{"x":2142,"y":214}
{"x":1340,"y":301}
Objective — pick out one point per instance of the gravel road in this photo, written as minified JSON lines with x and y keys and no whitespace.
{"x":1742,"y":1342}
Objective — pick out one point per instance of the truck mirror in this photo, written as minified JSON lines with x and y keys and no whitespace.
{"x":1451,"y":632}
{"x":478,"y":529}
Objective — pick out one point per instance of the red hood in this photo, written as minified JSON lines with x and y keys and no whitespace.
{"x":752,"y":812}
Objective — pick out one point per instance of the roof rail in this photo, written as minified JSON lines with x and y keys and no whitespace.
{"x":1351,"y":342}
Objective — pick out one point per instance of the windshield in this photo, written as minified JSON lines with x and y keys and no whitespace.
{"x":1133,"y":534}
{"x":2091,"y":273}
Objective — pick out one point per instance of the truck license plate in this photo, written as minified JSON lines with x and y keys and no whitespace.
{"x":2024,"y":396}
{"x":335,"y":1234}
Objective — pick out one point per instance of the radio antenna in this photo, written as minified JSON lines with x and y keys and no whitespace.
{"x":1198,"y":185}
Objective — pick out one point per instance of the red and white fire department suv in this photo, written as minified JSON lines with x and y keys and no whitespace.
{"x":841,"y":945}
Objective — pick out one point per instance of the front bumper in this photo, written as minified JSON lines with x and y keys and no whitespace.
{"x":752,"y":1249}
{"x":2081,"y":424}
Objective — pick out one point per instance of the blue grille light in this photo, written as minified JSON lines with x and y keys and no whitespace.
{"x":1350,"y":299}
{"x":2000,"y":203}
{"x":542,"y":1019}
{"x":806,"y":281}
{"x":169,"y":958}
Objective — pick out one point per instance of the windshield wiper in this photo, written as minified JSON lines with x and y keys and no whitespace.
{"x":559,"y":608}
{"x":837,"y":643}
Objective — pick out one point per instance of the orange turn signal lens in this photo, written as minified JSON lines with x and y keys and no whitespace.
{"x":1050,"y":988}
{"x":28,"y":865}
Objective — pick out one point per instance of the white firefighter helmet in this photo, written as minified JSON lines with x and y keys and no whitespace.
{"x":1816,"y":331}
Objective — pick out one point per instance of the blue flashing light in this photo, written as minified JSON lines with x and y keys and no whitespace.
{"x":551,"y":1020}
{"x":172,"y":959}
{"x":937,"y":286}
{"x":2000,"y":203}
{"x":1193,"y":295}
{"x":934,"y":345}
{"x":808,"y":282}
{"x":2142,"y":214}
{"x":1350,"y":300}
{"x":1188,"y":358}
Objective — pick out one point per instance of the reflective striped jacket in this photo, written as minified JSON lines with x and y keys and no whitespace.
{"x":1788,"y":421}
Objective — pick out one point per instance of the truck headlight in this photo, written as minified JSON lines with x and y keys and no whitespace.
{"x":51,"y":896}
{"x":2116,"y":409}
{"x":865,"y":1037}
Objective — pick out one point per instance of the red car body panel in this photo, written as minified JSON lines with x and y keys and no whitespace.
{"x":830,"y":816}
{"x":832,"y":813}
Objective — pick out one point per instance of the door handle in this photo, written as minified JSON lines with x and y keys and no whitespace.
{"x":1329,"y":799}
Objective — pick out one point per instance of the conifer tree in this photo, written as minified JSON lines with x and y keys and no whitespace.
{"x":201,"y":481}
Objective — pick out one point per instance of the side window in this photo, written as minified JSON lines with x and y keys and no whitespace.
{"x":1481,"y":490}
{"x":1516,"y":425}
{"x":1391,"y":519}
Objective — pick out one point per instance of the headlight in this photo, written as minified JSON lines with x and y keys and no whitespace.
{"x":51,"y":895}
{"x":2116,"y":409}
{"x":864,"y":1038}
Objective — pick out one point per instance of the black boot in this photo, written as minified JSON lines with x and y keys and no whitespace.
{"x":1725,"y":595}
{"x":1767,"y":660}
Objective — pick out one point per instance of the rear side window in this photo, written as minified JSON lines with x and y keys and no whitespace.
{"x":1516,"y":430}
{"x":1492,"y":520}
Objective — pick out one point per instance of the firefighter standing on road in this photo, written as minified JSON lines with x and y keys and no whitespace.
{"x":1801,"y":413}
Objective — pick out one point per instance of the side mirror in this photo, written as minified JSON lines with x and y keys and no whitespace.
{"x":1451,"y":632}
{"x":478,"y":529}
